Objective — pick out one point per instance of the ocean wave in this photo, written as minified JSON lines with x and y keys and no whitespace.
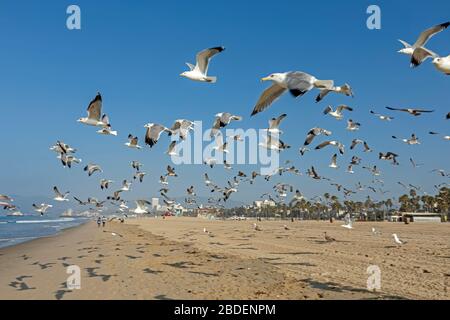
{"x":46,"y":221}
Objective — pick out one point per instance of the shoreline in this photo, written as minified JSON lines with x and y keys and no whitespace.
{"x":174,"y":259}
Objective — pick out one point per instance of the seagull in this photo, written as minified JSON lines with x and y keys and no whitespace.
{"x":411,"y":141}
{"x":303,"y":150}
{"x":68,"y":159}
{"x":107,"y":132}
{"x":443,"y":65}
{"x":397,"y":240}
{"x":82,"y":203}
{"x":171,"y":172}
{"x":171,"y":150}
{"x":126,"y":186}
{"x":256,"y":227}
{"x":220,"y":145}
{"x":447,"y":116}
{"x":382,"y":117}
{"x":355,"y":142}
{"x":191,"y":191}
{"x":414,"y":112}
{"x":61,"y":147}
{"x":136,"y":165}
{"x":338,"y":112}
{"x":298,"y":83}
{"x":59,"y":196}
{"x":313,"y":174}
{"x":42,"y":208}
{"x":345,"y":89}
{"x":94,"y":117}
{"x":199,"y":72}
{"x":153,"y":133}
{"x":375,"y":232}
{"x":348,"y":222}
{"x":221,"y":120}
{"x":226,"y":165}
{"x":141,"y":207}
{"x":350,"y":169}
{"x":139,"y":175}
{"x":104,"y":183}
{"x":274,"y":124}
{"x":208,"y":182}
{"x":337,"y":144}
{"x":116,"y":196}
{"x":388,"y":156}
{"x":296,"y":199}
{"x":182,"y":127}
{"x":133,"y":142}
{"x":273,"y":143}
{"x":352,"y":126}
{"x":334,"y":162}
{"x":163,"y":180}
{"x":373,"y":170}
{"x":314,"y":132}
{"x":211,"y":162}
{"x":91,"y":168}
{"x":417,"y":51}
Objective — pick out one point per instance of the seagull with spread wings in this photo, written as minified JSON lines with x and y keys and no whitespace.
{"x":199,"y":72}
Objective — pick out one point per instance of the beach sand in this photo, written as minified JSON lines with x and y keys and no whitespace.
{"x":174,"y":259}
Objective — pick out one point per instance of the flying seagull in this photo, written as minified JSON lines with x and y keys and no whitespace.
{"x":274,"y":124}
{"x":221,"y":120}
{"x":381,"y":117}
{"x":411,"y":141}
{"x":68,"y":159}
{"x":345,"y":89}
{"x":141,"y":207}
{"x":334,"y":143}
{"x":42,"y":208}
{"x":296,"y":82}
{"x":334,"y":162}
{"x":139,"y":175}
{"x":153,"y":133}
{"x":414,"y":112}
{"x":91,"y":168}
{"x":133,"y":142}
{"x":94,"y":111}
{"x":59,"y":196}
{"x":104,"y":184}
{"x":338,"y":112}
{"x":199,"y":72}
{"x":352,"y":126}
{"x":171,"y":150}
{"x":314,"y":132}
{"x":182,"y":127}
{"x":417,"y":51}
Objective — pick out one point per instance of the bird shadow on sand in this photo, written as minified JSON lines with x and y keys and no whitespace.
{"x":181,"y":264}
{"x":150,"y":271}
{"x":296,"y":253}
{"x":305,"y":264}
{"x":207,"y":274}
{"x":334,"y":287}
{"x":162,"y":297}
{"x":59,"y":294}
{"x":20,"y":285}
{"x":93,"y":274}
{"x":43,"y":265}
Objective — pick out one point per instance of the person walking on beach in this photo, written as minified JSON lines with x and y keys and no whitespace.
{"x":103,"y":221}
{"x":99,"y":221}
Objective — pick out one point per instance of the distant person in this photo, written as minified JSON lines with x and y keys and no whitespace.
{"x":292,"y":219}
{"x":103,"y":221}
{"x":99,"y":222}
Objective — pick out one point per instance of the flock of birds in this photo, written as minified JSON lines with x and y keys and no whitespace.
{"x":297,"y":83}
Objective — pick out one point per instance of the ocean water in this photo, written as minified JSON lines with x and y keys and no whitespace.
{"x":14,"y":230}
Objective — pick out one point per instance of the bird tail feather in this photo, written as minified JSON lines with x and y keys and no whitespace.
{"x":211,"y":79}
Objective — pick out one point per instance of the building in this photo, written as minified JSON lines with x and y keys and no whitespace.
{"x":155,"y":204}
{"x":423,"y":217}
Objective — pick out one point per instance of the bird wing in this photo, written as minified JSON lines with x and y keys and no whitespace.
{"x":274,"y":123}
{"x":204,"y":56}
{"x":95,"y":108}
{"x":421,"y":54}
{"x":427,"y":34}
{"x":323,"y":144}
{"x":268,"y":97}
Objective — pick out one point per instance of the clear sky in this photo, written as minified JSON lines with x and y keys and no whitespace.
{"x":133,"y":53}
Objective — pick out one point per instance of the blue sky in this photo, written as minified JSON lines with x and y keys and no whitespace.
{"x":133,"y":54}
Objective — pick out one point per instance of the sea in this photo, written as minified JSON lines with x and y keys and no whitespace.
{"x":18,"y":229}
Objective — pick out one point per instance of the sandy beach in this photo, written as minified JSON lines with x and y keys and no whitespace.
{"x":175,"y":259}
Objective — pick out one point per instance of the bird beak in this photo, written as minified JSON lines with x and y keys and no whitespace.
{"x":265,"y":79}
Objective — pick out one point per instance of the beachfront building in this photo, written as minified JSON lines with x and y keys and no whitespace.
{"x":418,"y":217}
{"x":155,"y":204}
